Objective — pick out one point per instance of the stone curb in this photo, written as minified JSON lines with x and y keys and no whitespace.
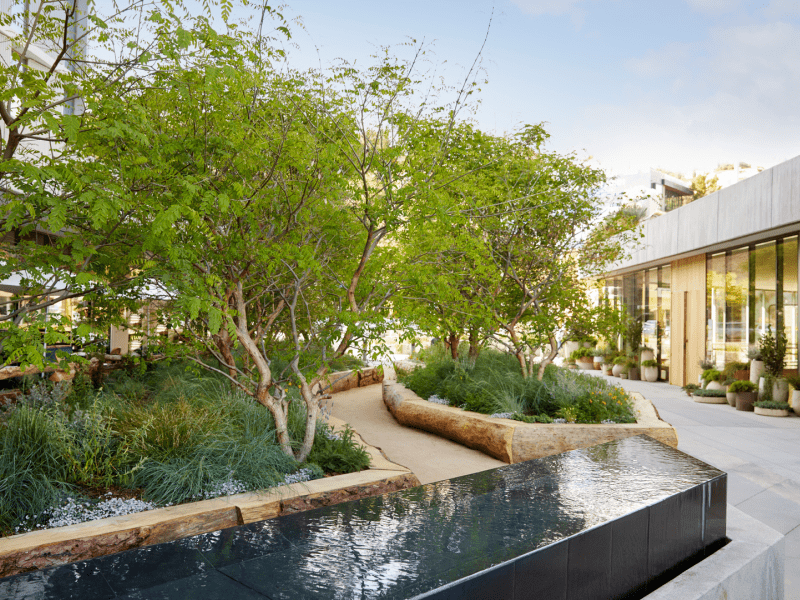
{"x":62,"y":545}
{"x":513,"y":441}
{"x":341,"y":381}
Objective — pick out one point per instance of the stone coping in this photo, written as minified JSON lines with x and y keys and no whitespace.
{"x":514,"y":441}
{"x":341,"y":381}
{"x":750,"y":567}
{"x":61,"y":545}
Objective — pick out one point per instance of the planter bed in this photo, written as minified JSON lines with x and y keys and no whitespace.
{"x":710,"y":399}
{"x":61,"y":545}
{"x":771,"y":412}
{"x":515,"y":441}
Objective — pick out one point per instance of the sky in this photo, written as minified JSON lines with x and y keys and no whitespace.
{"x":682,"y":85}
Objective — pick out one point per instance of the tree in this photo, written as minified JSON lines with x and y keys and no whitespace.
{"x":703,"y":185}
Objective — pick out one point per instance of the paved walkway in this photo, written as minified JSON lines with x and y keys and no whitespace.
{"x":430,"y":457}
{"x":760,"y":454}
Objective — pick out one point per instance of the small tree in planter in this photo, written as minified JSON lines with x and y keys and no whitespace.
{"x":745,"y":394}
{"x":584,"y":356}
{"x":619,"y":364}
{"x":650,"y":370}
{"x":773,"y":351}
{"x":633,"y":369}
{"x":712,"y":379}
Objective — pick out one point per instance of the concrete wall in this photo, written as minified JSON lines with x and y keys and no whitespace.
{"x":759,"y":207}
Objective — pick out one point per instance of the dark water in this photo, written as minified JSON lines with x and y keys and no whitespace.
{"x":416,"y":541}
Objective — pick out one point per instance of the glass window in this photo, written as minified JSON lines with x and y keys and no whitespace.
{"x":664,"y":317}
{"x":766,"y":302}
{"x":737,"y":298}
{"x":715,"y":303}
{"x":790,"y":322}
{"x":650,"y":332}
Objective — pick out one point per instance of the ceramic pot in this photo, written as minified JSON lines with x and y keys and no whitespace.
{"x":633,"y":374}
{"x":616,"y":370}
{"x":731,"y":396}
{"x":650,"y":374}
{"x":796,"y":402}
{"x":714,"y":385}
{"x":780,"y":390}
{"x":586,"y":363}
{"x":648,"y":355}
{"x":756,"y":370}
{"x":744,"y":400}
{"x":623,"y":375}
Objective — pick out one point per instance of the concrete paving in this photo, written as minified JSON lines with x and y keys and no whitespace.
{"x":760,"y":454}
{"x":430,"y":457}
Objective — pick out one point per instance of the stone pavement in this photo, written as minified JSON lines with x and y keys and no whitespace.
{"x":760,"y":454}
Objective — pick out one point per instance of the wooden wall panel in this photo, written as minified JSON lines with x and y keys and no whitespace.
{"x":688,"y":333}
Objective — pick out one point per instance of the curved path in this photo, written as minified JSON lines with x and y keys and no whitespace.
{"x":430,"y":457}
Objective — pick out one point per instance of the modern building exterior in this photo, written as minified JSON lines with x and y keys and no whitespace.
{"x":713,"y":274}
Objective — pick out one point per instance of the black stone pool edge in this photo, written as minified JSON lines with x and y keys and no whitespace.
{"x":628,"y":557}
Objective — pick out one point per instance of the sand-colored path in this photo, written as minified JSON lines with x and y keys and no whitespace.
{"x":429,"y":457}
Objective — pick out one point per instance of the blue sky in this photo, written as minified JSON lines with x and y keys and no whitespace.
{"x":681,"y":84}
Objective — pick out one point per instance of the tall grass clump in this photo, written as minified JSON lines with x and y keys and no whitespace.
{"x":493,"y":384}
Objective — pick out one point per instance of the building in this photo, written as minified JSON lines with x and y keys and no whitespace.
{"x":713,"y":274}
{"x":653,"y":192}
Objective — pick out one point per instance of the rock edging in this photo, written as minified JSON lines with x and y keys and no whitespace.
{"x":62,"y":545}
{"x":341,"y":381}
{"x":514,"y":441}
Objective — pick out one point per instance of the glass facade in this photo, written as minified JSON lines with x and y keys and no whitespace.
{"x":747,"y":289}
{"x":646,"y":296}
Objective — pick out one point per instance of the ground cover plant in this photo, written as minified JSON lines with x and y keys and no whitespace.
{"x":156,"y":437}
{"x":492,"y":384}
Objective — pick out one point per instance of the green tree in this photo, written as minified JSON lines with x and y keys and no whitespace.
{"x":703,"y":185}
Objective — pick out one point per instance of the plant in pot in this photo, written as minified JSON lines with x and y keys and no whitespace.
{"x":598,"y":356}
{"x":584,"y":357}
{"x":650,"y":370}
{"x":690,"y":389}
{"x":619,"y":363}
{"x":705,"y":364}
{"x":712,"y":379}
{"x":731,"y":396}
{"x":794,"y":397}
{"x":746,"y":394}
{"x":633,"y":369}
{"x":647,"y":353}
{"x":770,"y":408}
{"x":773,"y":351}
{"x":707,"y":396}
{"x":756,"y":363}
{"x":736,"y":370}
{"x":623,"y":374}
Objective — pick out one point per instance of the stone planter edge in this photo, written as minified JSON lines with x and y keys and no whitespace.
{"x":771,"y":412}
{"x":62,"y":545}
{"x":514,"y":441}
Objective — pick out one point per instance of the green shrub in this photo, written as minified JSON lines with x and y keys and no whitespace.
{"x":581,"y":353}
{"x":710,"y":375}
{"x":732,"y":367}
{"x":773,"y":351}
{"x":742,"y":386}
{"x":532,"y":418}
{"x":794,"y":382}
{"x":337,"y":453}
{"x":772,"y":404}
{"x":621,"y":360}
{"x":710,"y":393}
{"x":650,"y":363}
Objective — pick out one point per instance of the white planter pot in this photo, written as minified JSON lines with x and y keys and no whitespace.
{"x":756,"y":370}
{"x":648,"y":355}
{"x":731,"y":397}
{"x":796,"y":402}
{"x":616,"y":370}
{"x":714,"y":385}
{"x":771,"y":412}
{"x":780,"y":390}
{"x":650,"y":374}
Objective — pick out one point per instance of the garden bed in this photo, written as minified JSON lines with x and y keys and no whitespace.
{"x":43,"y":548}
{"x":514,"y":441}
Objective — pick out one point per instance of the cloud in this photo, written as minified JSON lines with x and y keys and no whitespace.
{"x":782,"y":8}
{"x":730,"y":97}
{"x":715,"y":7}
{"x":557,"y":8}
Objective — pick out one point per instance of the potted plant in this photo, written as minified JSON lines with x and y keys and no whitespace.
{"x":794,"y":398}
{"x":709,"y":396}
{"x":623,"y":374}
{"x":730,"y":396}
{"x":599,"y":359}
{"x":690,"y":388}
{"x":705,"y":364}
{"x":770,"y":408}
{"x":736,"y":370}
{"x":650,"y":370}
{"x":712,"y":379}
{"x":773,"y":352}
{"x":647,"y":353}
{"x":584,"y":358}
{"x":633,"y":369}
{"x":756,"y":363}
{"x":619,"y":363}
{"x":745,"y":394}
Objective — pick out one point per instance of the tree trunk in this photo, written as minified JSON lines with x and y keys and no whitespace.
{"x":223,"y":342}
{"x":452,"y":340}
{"x":474,"y":348}
{"x":546,"y":360}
